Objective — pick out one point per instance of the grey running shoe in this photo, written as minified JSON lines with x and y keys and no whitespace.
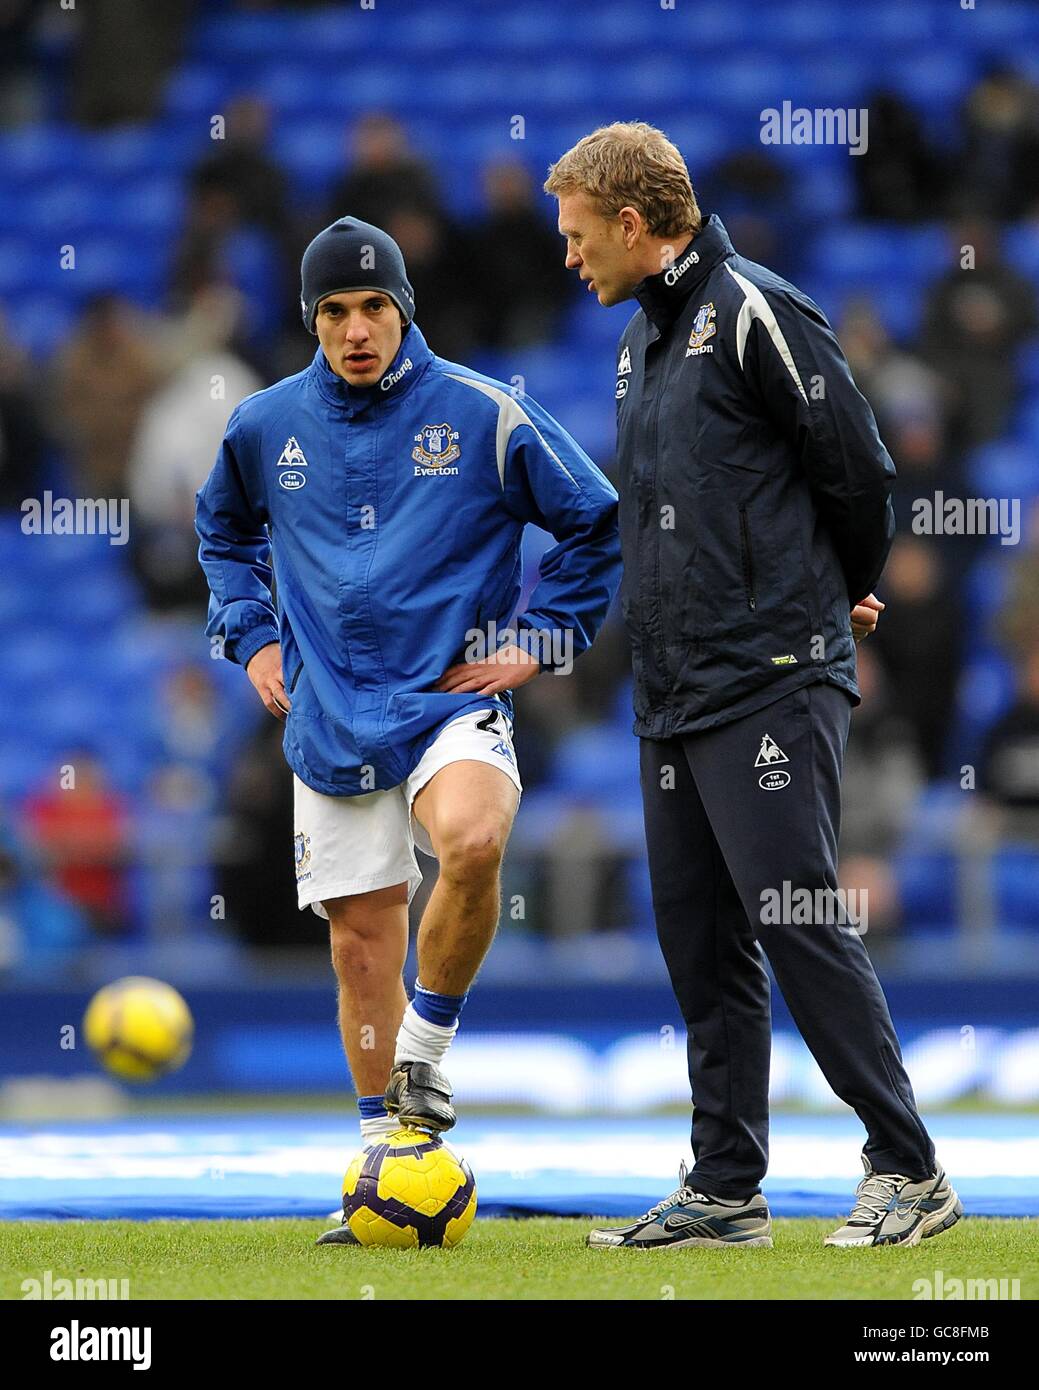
{"x":419,"y":1094}
{"x":689,"y":1217}
{"x":895,"y":1210}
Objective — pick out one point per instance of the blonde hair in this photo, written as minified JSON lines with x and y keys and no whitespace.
{"x":631,"y":164}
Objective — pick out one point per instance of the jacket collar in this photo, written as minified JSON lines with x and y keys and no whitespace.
{"x":412,"y":359}
{"x":664,"y":295}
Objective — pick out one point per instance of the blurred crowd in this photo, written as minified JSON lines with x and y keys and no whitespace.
{"x":134,"y":404}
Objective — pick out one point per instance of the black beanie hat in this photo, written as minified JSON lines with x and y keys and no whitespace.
{"x":354,"y":255}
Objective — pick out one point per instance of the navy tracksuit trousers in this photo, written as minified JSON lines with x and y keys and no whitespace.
{"x":738,"y":818}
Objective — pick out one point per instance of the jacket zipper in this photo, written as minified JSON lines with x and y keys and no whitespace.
{"x":652,"y":453}
{"x":748,"y":560}
{"x":295,"y":678}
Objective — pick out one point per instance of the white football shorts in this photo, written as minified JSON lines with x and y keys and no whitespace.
{"x":354,"y":844}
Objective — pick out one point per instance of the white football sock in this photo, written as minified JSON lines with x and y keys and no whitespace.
{"x":374,"y":1131}
{"x":421,"y":1041}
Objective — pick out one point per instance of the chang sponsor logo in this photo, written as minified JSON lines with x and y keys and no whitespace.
{"x":392,"y":378}
{"x":674,"y":273}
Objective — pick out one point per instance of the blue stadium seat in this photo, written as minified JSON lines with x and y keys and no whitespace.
{"x":23,"y":767}
{"x":291,"y":89}
{"x":34,"y":154}
{"x":67,"y":208}
{"x":530,"y":29}
{"x":617,"y":27}
{"x":250,"y":260}
{"x":838,"y":78}
{"x":871,"y":250}
{"x":926,"y":888}
{"x":374,"y":84}
{"x":103,"y":600}
{"x":802,"y":25}
{"x":1026,"y":421}
{"x":132,"y":153}
{"x":622,"y":708}
{"x":34,"y":659}
{"x":592,"y":422}
{"x":541,"y":371}
{"x":332,"y":33}
{"x":197,"y":90}
{"x":1028,"y":368}
{"x":72,"y":560}
{"x":984,"y":694}
{"x":249,"y":37}
{"x":19,"y":210}
{"x":900,"y":306}
{"x":826,"y":191}
{"x":135,"y":267}
{"x":594,"y":763}
{"x":73,"y":713}
{"x":152,"y":207}
{"x":1016,"y":872}
{"x":591,"y":327}
{"x":186,"y":141}
{"x":901,"y":27}
{"x":1021,"y":248}
{"x":39,"y":323}
{"x":985,"y":592}
{"x":712,"y":30}
{"x":930,"y":76}
{"x":703,"y":137}
{"x":1005,"y":469}
{"x":1004,"y":26}
{"x":19,"y":258}
{"x":313,"y":152}
{"x":472,"y":142}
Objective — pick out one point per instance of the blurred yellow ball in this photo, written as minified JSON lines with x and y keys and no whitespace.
{"x":139,"y":1028}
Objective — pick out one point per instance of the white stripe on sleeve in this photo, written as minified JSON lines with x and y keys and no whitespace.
{"x":756,"y":306}
{"x":510,"y":414}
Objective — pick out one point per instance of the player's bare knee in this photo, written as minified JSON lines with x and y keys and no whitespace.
{"x":357,"y":955}
{"x":474,"y":852}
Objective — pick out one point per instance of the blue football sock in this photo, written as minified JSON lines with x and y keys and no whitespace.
{"x":441,"y":1009}
{"x":371,"y":1107}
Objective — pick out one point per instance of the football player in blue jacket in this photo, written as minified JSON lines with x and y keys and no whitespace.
{"x":386,"y":490}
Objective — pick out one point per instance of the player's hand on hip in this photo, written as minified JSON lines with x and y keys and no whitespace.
{"x":264,"y":670}
{"x":864,"y":616}
{"x":506,"y":669}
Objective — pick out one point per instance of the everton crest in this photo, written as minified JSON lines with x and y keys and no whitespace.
{"x":301,"y":846}
{"x":436,"y":446}
{"x":704,"y":327}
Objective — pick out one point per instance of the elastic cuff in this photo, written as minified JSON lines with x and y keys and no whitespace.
{"x":253,"y":641}
{"x":535,"y":641}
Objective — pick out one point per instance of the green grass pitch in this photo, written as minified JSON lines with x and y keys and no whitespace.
{"x":539,"y":1258}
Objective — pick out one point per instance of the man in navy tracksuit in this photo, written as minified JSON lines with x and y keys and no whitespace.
{"x":389,"y":489}
{"x":755,"y":520}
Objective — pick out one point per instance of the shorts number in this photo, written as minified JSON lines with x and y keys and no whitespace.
{"x":489,"y":723}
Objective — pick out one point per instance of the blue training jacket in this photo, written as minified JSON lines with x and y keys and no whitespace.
{"x":391,"y":518}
